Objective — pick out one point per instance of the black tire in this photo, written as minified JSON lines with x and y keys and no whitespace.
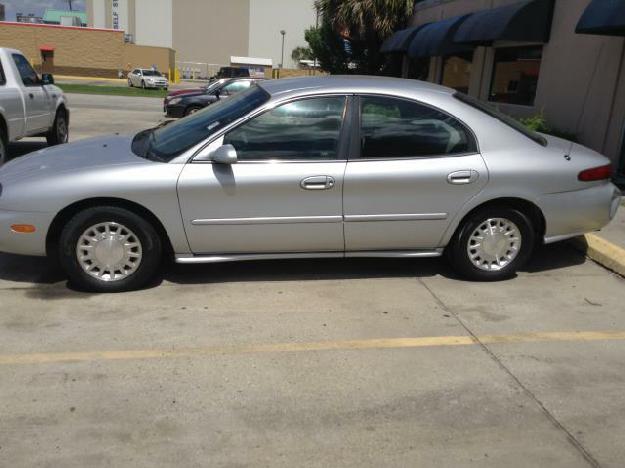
{"x":59,"y":133}
{"x":4,"y":148}
{"x":458,"y":252}
{"x":150,"y":245}
{"x":143,"y":84}
{"x":192,"y":110}
{"x":130,"y":85}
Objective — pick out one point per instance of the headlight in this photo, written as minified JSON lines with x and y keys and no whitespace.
{"x":174,"y":101}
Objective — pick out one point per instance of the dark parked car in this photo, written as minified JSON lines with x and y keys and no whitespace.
{"x":185,"y":104}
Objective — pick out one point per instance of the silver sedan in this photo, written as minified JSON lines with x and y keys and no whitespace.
{"x":302,"y":168}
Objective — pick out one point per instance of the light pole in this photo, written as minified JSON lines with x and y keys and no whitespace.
{"x":283,"y":32}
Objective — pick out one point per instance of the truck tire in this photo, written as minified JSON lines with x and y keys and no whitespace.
{"x":59,"y":133}
{"x":4,"y":153}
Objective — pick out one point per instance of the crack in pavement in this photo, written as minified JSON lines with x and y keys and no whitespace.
{"x":585,"y":453}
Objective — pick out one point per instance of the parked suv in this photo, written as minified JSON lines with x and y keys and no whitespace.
{"x":30,"y":106}
{"x":147,"y":78}
{"x":187,"y":104}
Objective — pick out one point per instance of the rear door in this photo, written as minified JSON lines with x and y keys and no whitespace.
{"x":285,"y":192}
{"x":37,"y":100}
{"x":414,"y":167}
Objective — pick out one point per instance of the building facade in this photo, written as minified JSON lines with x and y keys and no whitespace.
{"x":527,"y":59}
{"x":210,"y":31}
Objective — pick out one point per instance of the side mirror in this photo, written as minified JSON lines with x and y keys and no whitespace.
{"x":225,"y":154}
{"x":47,"y":79}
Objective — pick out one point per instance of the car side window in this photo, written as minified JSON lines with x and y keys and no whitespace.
{"x":308,"y":129}
{"x":27,"y":73}
{"x":235,"y":87}
{"x":396,"y":128}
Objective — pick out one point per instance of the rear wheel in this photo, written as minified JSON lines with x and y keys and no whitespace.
{"x":492,"y":244}
{"x":109,"y":249}
{"x":59,"y":133}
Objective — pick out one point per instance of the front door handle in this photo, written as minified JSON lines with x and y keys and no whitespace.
{"x":31,"y":95}
{"x":317,"y":183}
{"x":463,"y":177}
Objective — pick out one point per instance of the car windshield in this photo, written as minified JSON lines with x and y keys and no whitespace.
{"x":166,"y":142}
{"x":493,"y":112}
{"x":151,"y":73}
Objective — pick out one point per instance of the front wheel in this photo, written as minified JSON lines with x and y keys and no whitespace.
{"x":492,"y":244}
{"x":109,"y":249}
{"x":4,"y":153}
{"x":59,"y":133}
{"x":143,"y":84}
{"x":129,"y":83}
{"x":192,"y":110}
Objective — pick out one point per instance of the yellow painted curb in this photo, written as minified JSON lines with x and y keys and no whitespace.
{"x":604,"y":252}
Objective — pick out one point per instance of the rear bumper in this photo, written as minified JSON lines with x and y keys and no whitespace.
{"x":24,"y":244}
{"x":570,"y":214}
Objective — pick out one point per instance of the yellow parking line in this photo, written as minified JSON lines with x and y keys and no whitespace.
{"x":381,"y":343}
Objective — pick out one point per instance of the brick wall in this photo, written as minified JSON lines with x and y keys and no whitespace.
{"x":77,"y":51}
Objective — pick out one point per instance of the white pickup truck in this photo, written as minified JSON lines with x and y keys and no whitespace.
{"x":29,"y":106}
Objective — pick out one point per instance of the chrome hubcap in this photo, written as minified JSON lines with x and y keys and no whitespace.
{"x":109,"y":252}
{"x":494,"y":244}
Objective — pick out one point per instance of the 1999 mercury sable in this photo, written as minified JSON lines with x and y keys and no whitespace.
{"x":299,"y":168}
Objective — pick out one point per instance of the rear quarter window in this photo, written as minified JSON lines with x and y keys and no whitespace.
{"x":506,"y":119}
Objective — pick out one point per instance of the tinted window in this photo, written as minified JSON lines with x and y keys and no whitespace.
{"x":151,"y":73}
{"x":235,"y":87}
{"x":394,"y":128}
{"x":28,"y":74}
{"x":165,"y":143}
{"x":491,"y":111}
{"x":515,"y":75}
{"x":3,"y":79}
{"x":306,"y":129}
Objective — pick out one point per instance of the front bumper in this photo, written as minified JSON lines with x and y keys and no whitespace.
{"x":159,"y":85}
{"x":24,"y":244}
{"x":176,"y":111}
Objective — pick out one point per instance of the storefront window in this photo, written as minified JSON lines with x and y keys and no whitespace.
{"x":457,"y":71}
{"x":515,"y":75}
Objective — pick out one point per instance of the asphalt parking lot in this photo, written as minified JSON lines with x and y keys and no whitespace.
{"x":310,"y":363}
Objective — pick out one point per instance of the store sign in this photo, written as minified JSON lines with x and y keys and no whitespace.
{"x":116,"y":6}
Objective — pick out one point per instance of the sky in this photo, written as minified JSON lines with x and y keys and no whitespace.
{"x":37,"y":6}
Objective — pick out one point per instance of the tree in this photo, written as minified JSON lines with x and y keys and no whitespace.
{"x":301,"y":53}
{"x":365,"y":24}
{"x":328,"y":48}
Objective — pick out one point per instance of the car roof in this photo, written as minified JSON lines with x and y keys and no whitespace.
{"x":350,"y":84}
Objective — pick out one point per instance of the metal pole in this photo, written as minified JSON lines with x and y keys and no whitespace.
{"x":283,"y":32}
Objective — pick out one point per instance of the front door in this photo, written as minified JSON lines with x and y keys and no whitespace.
{"x":415,"y":168}
{"x":285,"y":192}
{"x":36,"y":99}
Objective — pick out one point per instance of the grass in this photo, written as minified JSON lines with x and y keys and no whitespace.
{"x":112,"y":90}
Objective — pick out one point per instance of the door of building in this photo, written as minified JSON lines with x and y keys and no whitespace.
{"x":47,"y":62}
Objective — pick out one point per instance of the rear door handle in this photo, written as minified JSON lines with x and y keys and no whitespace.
{"x":317,"y":183}
{"x":463,"y":177}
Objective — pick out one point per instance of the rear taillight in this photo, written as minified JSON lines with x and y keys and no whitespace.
{"x":596,"y":173}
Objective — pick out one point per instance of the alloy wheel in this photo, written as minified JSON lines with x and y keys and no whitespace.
{"x":109,"y":252}
{"x":494,"y":244}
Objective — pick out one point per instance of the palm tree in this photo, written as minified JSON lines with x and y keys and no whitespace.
{"x":366,"y":23}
